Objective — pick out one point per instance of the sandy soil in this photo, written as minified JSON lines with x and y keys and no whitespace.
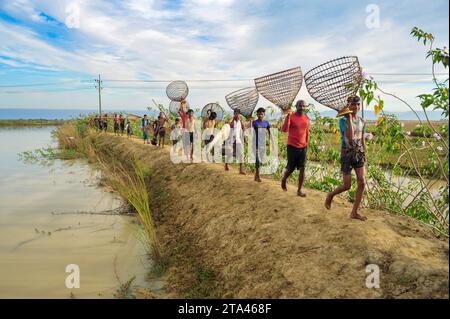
{"x":256,"y":241}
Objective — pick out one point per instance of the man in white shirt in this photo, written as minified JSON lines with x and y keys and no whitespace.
{"x":237,"y":140}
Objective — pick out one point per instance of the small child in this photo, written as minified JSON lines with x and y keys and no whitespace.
{"x":129,"y":129}
{"x":176,"y":131}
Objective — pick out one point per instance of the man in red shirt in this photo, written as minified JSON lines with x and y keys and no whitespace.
{"x":297,"y":126}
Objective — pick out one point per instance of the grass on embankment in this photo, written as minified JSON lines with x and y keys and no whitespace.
{"x":30,"y":122}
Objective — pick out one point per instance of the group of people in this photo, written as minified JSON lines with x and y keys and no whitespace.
{"x":100,"y":122}
{"x":297,"y":126}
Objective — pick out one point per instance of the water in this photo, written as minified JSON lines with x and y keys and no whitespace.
{"x":36,"y":246}
{"x":58,"y":114}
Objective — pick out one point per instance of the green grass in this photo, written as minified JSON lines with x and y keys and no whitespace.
{"x":34,"y":122}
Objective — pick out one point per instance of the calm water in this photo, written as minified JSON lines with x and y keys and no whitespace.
{"x":36,"y":246}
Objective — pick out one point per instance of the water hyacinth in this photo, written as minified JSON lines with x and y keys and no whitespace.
{"x":436,"y":194}
{"x":439,"y":148}
{"x":408,"y":133}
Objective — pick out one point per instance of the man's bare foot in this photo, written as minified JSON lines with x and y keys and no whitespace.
{"x":328,"y":201}
{"x":258,"y":179}
{"x":300,"y":193}
{"x":283,"y":184}
{"x":227,"y":168}
{"x":358,"y":216}
{"x":242,"y":173}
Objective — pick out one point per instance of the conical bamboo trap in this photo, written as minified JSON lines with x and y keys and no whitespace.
{"x":333,"y":82}
{"x":281,"y":88}
{"x":213,"y":107}
{"x":177,"y":91}
{"x":244,"y":99}
{"x":174,"y":107}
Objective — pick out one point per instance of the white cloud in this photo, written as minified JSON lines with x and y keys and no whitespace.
{"x":200,"y":39}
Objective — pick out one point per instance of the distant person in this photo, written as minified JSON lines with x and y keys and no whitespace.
{"x":236,"y":137}
{"x":129,"y":129}
{"x":296,"y":125}
{"x":105,"y":123}
{"x":122,"y":124}
{"x":162,"y":120}
{"x":175,"y":131}
{"x":145,"y":126}
{"x":116,"y":124}
{"x":260,"y":127}
{"x":184,"y":134}
{"x":190,"y":129}
{"x":209,"y":125}
{"x":353,"y":147}
{"x":97,"y":123}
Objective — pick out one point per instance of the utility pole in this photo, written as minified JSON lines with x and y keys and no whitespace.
{"x":99,"y":87}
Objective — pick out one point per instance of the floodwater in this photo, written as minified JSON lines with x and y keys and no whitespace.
{"x":36,"y":245}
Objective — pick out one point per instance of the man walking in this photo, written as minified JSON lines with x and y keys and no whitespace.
{"x":297,"y":126}
{"x":353,"y":145}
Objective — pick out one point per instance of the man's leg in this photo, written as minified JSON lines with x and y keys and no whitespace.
{"x":301,"y":179}
{"x":360,"y":178}
{"x":286,"y":175}
{"x":347,"y":178}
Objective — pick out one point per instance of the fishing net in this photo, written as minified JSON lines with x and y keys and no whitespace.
{"x":281,"y":88}
{"x":212,"y":107}
{"x":174,"y":107}
{"x":244,"y":99}
{"x":333,"y":82}
{"x":177,"y":91}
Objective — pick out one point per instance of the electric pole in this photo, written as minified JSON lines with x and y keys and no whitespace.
{"x":99,"y":87}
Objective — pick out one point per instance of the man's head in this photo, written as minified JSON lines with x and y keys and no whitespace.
{"x":190,"y":113}
{"x":145,"y":116}
{"x":213,"y":116}
{"x":260,"y":113}
{"x":300,"y":106}
{"x":177,"y":120}
{"x":355,"y":104}
{"x":236,"y":114}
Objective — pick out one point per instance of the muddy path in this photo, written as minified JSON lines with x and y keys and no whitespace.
{"x":253,"y":240}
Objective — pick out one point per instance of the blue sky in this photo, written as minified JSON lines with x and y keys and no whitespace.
{"x":200,"y":39}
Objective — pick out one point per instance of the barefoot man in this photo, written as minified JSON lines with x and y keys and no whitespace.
{"x":353,"y":147}
{"x":297,"y":126}
{"x":236,"y":138}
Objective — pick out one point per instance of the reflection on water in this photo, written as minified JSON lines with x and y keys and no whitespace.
{"x":36,"y":246}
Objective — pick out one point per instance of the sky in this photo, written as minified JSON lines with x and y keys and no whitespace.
{"x":50,"y":51}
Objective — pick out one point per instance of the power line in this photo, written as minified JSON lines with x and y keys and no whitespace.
{"x":37,"y":84}
{"x":192,"y":80}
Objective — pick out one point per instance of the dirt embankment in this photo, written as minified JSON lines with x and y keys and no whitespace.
{"x":227,"y":236}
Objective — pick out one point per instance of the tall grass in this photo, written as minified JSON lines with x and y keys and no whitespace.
{"x":128,"y":178}
{"x":131,"y":184}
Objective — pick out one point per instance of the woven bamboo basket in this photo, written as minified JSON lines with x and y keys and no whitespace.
{"x":177,"y":91}
{"x":212,"y":107}
{"x":333,"y":82}
{"x":244,"y":99}
{"x":281,"y":88}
